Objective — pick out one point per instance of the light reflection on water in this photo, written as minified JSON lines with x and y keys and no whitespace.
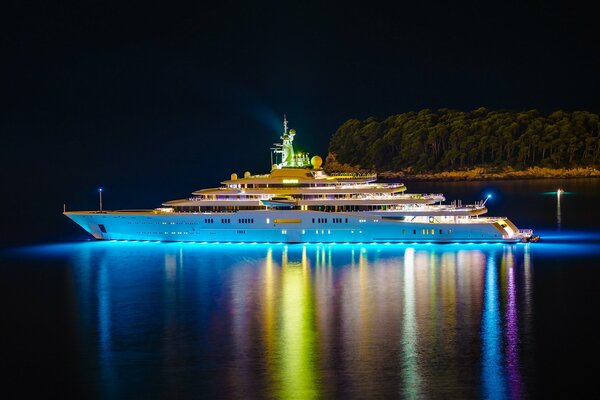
{"x":305,"y":321}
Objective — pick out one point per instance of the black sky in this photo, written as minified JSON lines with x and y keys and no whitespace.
{"x":152,"y":101}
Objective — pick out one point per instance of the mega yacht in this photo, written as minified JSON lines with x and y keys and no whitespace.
{"x":298,"y":202}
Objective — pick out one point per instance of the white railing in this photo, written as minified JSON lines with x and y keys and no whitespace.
{"x":352,"y":175}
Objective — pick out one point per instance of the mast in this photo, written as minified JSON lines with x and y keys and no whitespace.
{"x":289,"y":158}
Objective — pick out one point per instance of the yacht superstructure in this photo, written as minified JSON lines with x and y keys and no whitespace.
{"x":298,"y":202}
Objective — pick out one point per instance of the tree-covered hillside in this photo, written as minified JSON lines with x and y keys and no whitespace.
{"x":451,"y":140}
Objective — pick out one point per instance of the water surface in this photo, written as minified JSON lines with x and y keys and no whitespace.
{"x":155,"y":320}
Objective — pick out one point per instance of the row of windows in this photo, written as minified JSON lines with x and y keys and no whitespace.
{"x":284,"y":231}
{"x":173,"y":233}
{"x":427,"y":231}
{"x":228,"y":220}
{"x":251,"y":221}
{"x":324,"y":220}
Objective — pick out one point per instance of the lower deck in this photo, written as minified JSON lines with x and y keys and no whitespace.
{"x":289,"y":226}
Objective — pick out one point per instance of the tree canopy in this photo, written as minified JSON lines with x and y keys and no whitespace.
{"x":452,"y":140}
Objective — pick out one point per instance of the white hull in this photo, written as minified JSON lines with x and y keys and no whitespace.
{"x":285,"y":226}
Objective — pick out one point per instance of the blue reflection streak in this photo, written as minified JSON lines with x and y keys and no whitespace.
{"x":491,"y":336}
{"x":104,"y":327}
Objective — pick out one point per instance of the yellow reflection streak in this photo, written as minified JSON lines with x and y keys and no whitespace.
{"x":449,"y":332}
{"x":297,"y":340}
{"x":269,"y":317}
{"x":410,"y":372}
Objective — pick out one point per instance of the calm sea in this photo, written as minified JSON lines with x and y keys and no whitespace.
{"x":184,"y":320}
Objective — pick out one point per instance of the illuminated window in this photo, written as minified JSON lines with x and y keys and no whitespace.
{"x":268,"y":220}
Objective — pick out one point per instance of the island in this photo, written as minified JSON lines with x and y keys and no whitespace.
{"x":449,"y":144}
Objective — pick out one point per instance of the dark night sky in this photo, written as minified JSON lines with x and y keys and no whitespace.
{"x":153,"y":102}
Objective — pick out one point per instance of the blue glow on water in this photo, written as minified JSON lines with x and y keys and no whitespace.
{"x":159,"y":308}
{"x":551,"y":244}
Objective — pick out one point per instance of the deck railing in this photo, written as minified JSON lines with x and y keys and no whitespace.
{"x":352,"y":175}
{"x":418,"y":196}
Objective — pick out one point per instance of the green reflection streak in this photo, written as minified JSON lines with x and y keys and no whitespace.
{"x":433,"y":302}
{"x":297,"y":370}
{"x":269,"y":318}
{"x":410,"y":370}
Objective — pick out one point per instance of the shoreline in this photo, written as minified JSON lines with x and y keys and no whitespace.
{"x":483,"y":174}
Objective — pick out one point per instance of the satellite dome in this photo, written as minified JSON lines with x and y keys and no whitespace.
{"x":293,"y":131}
{"x":316,"y":162}
{"x":234,"y":176}
{"x":247,"y":174}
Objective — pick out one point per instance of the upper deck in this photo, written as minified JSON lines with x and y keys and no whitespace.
{"x":305,"y":181}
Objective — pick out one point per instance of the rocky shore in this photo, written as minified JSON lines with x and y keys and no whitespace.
{"x":477,"y":173}
{"x":489,"y":174}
